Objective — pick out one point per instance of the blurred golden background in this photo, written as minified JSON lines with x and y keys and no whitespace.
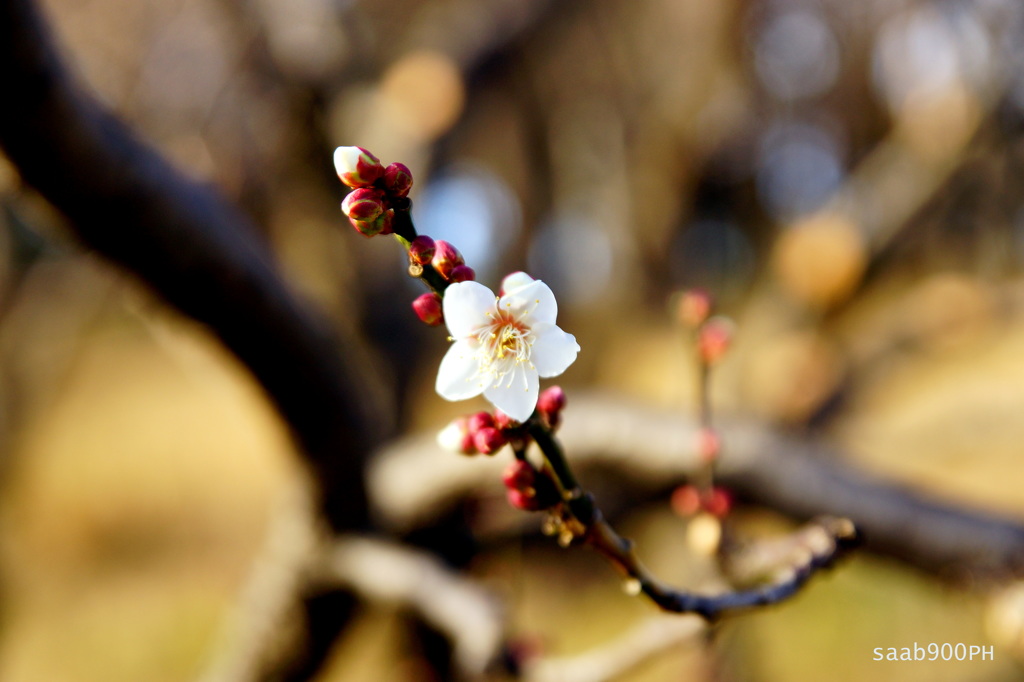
{"x":845,"y":178}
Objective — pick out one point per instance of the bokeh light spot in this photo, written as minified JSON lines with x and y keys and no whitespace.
{"x":423,"y":93}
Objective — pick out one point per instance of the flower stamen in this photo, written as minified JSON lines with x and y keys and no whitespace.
{"x":505,"y":343}
{"x":502,"y":345}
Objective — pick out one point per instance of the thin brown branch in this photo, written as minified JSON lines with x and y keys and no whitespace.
{"x":832,"y":538}
{"x":578,"y":517}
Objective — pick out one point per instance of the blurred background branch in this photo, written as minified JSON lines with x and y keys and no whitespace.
{"x":414,"y":481}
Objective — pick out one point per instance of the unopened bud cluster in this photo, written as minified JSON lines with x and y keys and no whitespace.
{"x":689,"y":500}
{"x":376,"y":190}
{"x":449,"y":264}
{"x":482,"y":433}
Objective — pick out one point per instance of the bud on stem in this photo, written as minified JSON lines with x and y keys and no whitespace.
{"x":363,"y":204}
{"x":421,"y":250}
{"x":714,"y":338}
{"x":446,"y":258}
{"x":398,"y":179}
{"x":357,"y":167}
{"x":429,"y":309}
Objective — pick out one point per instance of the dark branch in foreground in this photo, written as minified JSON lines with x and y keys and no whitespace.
{"x":202,"y":257}
{"x":188,"y":244}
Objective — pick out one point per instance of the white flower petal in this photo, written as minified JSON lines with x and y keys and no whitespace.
{"x":516,"y":396}
{"x":345,"y":159}
{"x":458,"y":377}
{"x":531,"y":303}
{"x":466,"y":305}
{"x":553,"y":350}
{"x":515,"y":281}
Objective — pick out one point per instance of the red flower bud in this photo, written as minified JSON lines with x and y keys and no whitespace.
{"x":369,"y":228}
{"x":694,"y":307}
{"x":480,"y":420}
{"x":462,"y":273}
{"x":528,"y":488}
{"x":363,"y":204}
{"x":718,"y":502}
{"x":421,"y":250}
{"x":357,"y":167}
{"x":523,"y":500}
{"x":550,"y":402}
{"x":488,"y":440}
{"x":446,"y":257}
{"x":519,"y":475}
{"x":685,"y":500}
{"x":428,"y":309}
{"x":398,"y":179}
{"x":714,"y":339}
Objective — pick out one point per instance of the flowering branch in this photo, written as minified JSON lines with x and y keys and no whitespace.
{"x":501,"y":346}
{"x":412,"y":480}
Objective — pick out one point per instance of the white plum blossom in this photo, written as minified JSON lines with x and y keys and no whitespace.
{"x":502,"y":346}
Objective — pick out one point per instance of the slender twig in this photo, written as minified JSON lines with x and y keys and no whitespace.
{"x":839,"y":535}
{"x":706,"y":474}
{"x":835,"y":536}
